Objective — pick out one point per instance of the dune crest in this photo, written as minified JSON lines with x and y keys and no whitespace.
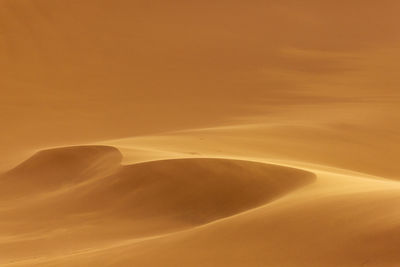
{"x":68,"y":188}
{"x":59,"y":167}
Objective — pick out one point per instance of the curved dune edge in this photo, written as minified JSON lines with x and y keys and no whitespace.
{"x":51,"y":169}
{"x":84,"y":194}
{"x":338,"y":220}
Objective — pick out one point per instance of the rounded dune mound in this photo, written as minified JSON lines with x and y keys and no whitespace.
{"x":133,"y":201}
{"x":195,"y":190}
{"x":53,"y":168}
{"x":191,"y":191}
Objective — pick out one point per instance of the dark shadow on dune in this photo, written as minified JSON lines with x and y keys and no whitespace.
{"x":83,"y":193}
{"x":196,"y":190}
{"x":60,"y":167}
{"x":193,"y":191}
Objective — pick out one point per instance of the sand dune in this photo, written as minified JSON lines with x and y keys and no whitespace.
{"x":197,"y":208}
{"x":73,"y":186}
{"x":56,"y":168}
{"x":199,"y":133}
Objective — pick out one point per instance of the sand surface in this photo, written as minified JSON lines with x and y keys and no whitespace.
{"x":199,"y":133}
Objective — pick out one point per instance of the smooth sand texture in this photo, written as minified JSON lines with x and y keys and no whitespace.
{"x":199,"y":133}
{"x":157,"y":196}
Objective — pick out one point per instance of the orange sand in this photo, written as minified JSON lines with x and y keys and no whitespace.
{"x":199,"y":133}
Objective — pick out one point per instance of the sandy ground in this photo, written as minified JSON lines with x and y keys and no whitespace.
{"x":213,"y":133}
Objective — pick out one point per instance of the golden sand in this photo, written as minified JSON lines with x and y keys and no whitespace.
{"x":199,"y":133}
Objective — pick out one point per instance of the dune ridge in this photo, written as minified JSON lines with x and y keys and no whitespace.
{"x":202,"y":207}
{"x":52,"y":169}
{"x":190,"y":208}
{"x":65,"y":187}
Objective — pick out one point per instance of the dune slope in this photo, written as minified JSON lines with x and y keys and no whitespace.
{"x":54,"y":168}
{"x":86,"y":190}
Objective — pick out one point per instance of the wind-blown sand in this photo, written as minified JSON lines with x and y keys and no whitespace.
{"x":193,"y":211}
{"x":187,"y":133}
